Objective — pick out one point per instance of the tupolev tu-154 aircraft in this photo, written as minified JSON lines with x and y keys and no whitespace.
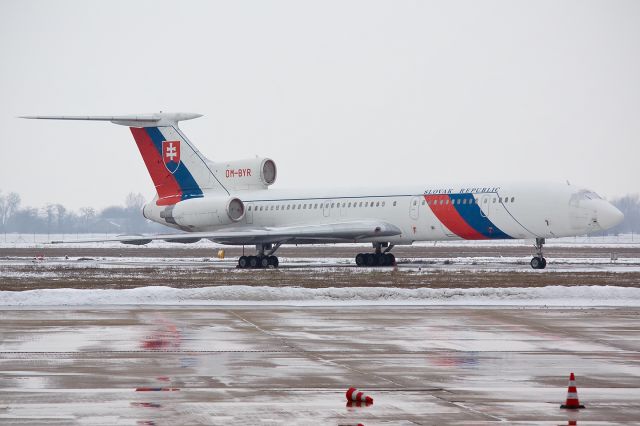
{"x":230,"y":202}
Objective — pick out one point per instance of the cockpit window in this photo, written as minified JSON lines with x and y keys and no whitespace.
{"x":584,"y":194}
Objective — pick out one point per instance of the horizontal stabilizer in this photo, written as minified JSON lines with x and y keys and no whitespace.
{"x":141,"y":120}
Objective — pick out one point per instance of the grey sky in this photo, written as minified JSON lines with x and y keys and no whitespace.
{"x":344,"y":93}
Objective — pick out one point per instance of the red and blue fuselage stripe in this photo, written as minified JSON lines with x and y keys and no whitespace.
{"x":463,"y":216}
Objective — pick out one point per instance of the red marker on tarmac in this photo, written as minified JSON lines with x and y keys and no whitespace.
{"x":572,"y":395}
{"x":354,"y":396}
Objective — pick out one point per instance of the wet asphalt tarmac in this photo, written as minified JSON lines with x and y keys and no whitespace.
{"x":292,"y":365}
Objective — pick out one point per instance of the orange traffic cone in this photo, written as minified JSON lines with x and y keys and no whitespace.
{"x":354,"y":396}
{"x":572,"y":395}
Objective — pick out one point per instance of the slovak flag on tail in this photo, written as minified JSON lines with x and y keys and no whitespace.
{"x":171,"y":155}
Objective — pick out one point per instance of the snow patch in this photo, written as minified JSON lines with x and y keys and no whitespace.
{"x":575,"y":296}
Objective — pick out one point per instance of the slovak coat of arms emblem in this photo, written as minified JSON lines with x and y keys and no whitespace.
{"x":171,"y":155}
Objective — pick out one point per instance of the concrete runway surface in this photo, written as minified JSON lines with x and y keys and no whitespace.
{"x":292,"y":365}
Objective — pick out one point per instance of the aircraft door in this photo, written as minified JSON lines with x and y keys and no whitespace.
{"x":343,"y":208}
{"x":249,"y":212}
{"x":326,"y":208}
{"x":414,"y":208}
{"x":485,"y":204}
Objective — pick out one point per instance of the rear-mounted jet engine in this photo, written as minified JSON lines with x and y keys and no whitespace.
{"x":198,"y":214}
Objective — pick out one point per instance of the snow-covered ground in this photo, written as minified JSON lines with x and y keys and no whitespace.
{"x":552,"y":296}
{"x":39,"y":240}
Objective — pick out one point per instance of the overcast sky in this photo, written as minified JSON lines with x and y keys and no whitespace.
{"x":344,"y":93}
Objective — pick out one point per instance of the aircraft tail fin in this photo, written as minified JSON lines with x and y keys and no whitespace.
{"x":178,"y":170}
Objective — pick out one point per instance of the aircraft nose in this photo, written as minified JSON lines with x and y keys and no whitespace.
{"x":608,"y":215}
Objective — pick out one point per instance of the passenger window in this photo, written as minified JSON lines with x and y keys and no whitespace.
{"x":494,"y":200}
{"x":377,"y":203}
{"x":349,"y":204}
{"x":423,"y":202}
{"x":315,"y":206}
{"x":288,"y":206}
{"x":383,"y":204}
{"x":441,"y":202}
{"x":513,"y":199}
{"x":372,"y":204}
{"x":277,"y":207}
{"x":395,"y":203}
{"x":506,"y":199}
{"x":499,"y":199}
{"x":366,"y":204}
{"x":415,"y":202}
{"x":485,"y":201}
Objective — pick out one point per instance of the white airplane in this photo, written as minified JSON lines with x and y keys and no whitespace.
{"x":229,"y":203}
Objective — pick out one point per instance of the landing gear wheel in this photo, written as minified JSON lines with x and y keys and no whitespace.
{"x":538,"y":263}
{"x":243,"y":262}
{"x":264,"y":262}
{"x":273,"y":261}
{"x":375,"y":259}
{"x":370,"y":259}
{"x":253,"y":261}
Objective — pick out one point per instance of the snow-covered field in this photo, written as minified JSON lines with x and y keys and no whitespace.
{"x":552,"y":296}
{"x":39,"y":240}
{"x":60,"y":267}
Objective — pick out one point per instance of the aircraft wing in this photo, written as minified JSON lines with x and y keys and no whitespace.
{"x":352,"y":231}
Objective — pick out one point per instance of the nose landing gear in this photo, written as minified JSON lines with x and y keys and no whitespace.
{"x":538,"y":261}
{"x":379,"y":258}
{"x":262,"y":260}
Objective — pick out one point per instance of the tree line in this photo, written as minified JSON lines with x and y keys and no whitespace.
{"x":127,"y":219}
{"x":55,"y":218}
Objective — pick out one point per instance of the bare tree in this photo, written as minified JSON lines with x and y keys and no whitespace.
{"x":3,"y":208}
{"x":60,"y":215}
{"x":88,"y":214}
{"x":9,"y":205}
{"x":49,"y":212}
{"x":134,"y":202}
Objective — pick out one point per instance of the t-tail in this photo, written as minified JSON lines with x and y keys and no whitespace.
{"x":178,"y":170}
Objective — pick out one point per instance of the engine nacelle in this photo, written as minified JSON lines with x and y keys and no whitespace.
{"x":198,"y":213}
{"x":253,"y":173}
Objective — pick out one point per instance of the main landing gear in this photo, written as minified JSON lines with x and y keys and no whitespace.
{"x":263,"y":259}
{"x":379,"y":258}
{"x":538,"y":261}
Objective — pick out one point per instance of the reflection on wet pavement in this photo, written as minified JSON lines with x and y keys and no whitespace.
{"x":292,"y":365}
